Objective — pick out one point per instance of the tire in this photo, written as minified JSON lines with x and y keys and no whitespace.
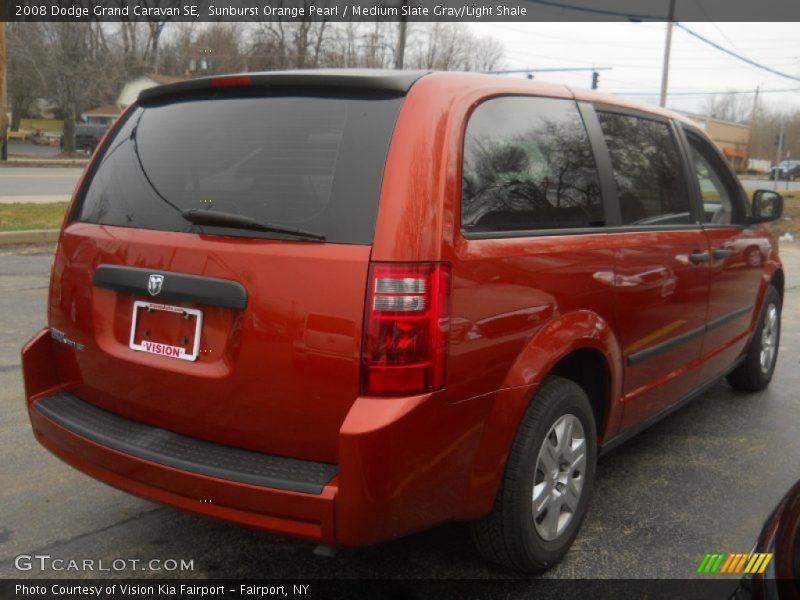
{"x":510,"y":534}
{"x":755,"y":372}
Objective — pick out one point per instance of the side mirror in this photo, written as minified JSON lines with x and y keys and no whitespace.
{"x":767,"y":206}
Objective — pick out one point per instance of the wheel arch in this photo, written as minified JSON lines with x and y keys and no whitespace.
{"x":578,"y":346}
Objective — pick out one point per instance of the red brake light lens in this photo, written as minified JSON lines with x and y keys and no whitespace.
{"x":235,"y":80}
{"x":406,"y":328}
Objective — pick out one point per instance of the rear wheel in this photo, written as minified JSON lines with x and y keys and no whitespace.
{"x":545,"y":491}
{"x":755,"y":372}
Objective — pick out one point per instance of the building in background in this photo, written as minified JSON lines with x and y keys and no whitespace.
{"x":102,"y":115}
{"x":105,"y":115}
{"x":731,"y":138}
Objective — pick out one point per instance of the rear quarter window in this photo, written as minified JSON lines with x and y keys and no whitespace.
{"x":528,"y":165}
{"x":311,"y":162}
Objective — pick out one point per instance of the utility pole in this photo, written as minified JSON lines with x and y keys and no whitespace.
{"x":752,"y":126}
{"x":667,"y":47}
{"x":781,"y":138}
{"x":401,"y":40}
{"x":755,"y":106}
{"x":3,"y":95}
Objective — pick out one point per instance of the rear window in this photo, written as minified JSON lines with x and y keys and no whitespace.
{"x":299,"y":161}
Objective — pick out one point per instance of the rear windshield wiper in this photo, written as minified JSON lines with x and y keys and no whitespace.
{"x":225,"y":219}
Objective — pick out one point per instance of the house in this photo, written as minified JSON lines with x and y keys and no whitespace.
{"x":102,"y":115}
{"x":130,"y":91}
{"x":105,"y":115}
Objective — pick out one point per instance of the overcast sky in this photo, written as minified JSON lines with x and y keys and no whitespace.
{"x":634,"y":51}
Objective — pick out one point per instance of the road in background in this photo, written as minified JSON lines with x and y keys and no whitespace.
{"x":702,"y":480}
{"x":751,"y":183}
{"x":38,"y":184}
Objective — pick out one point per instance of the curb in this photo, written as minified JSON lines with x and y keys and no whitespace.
{"x":31,"y":236}
{"x":43,"y":162}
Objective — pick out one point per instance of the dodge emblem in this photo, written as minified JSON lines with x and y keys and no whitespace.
{"x":154,"y":284}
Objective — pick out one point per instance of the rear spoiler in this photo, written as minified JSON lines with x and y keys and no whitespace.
{"x":366,"y":79}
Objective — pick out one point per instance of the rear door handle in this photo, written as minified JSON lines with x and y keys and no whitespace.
{"x":698,"y":257}
{"x":720,"y":253}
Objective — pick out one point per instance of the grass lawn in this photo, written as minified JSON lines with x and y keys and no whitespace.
{"x":20,"y":216}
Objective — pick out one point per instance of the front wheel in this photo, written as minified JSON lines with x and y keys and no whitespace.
{"x":755,"y":372}
{"x":548,"y":479}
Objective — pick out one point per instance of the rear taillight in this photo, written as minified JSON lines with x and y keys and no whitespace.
{"x":406,"y":327}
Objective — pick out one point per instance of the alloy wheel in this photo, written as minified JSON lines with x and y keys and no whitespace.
{"x":559,"y":477}
{"x":769,"y":338}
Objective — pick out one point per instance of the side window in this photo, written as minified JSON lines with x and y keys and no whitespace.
{"x":647,"y":169}
{"x":717,"y":189}
{"x":528,"y":165}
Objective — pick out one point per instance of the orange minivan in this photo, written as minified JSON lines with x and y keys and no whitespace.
{"x":350,"y":305}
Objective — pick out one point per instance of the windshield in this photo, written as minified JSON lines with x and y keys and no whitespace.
{"x":294,"y":161}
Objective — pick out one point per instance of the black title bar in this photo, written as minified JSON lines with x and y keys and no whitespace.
{"x":397,"y":10}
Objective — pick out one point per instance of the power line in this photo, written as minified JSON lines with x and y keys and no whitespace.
{"x":548,"y":70}
{"x":717,"y":93}
{"x":735,"y":55}
{"x":722,"y":33}
{"x":600,"y":11}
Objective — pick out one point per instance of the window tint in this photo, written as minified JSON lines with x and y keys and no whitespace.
{"x":528,"y":165}
{"x":718,"y":191}
{"x":304,"y":162}
{"x":647,"y":169}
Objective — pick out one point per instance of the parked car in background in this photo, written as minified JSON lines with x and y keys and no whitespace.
{"x":347,"y":306}
{"x":788,"y":170}
{"x":45,"y":138}
{"x":87,"y":137}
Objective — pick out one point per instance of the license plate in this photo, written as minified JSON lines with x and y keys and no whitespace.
{"x":171,"y":331}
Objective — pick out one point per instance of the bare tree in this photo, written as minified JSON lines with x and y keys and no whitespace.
{"x":729,"y":107}
{"x":453,"y":47}
{"x":180,"y":48}
{"x":220,"y":43}
{"x":141,"y":42}
{"x":487,"y":55}
{"x":26,"y":81}
{"x":75,"y":68}
{"x":288,"y":45}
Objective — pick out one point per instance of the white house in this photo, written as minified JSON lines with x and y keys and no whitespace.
{"x":102,"y":115}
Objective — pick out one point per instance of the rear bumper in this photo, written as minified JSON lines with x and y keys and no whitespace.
{"x":303,"y":515}
{"x":405,"y":464}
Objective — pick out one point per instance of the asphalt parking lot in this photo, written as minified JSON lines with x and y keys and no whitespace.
{"x":702,"y":480}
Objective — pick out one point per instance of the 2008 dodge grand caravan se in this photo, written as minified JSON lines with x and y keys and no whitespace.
{"x":347,"y":305}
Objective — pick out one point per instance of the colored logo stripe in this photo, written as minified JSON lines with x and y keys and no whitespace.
{"x":734,"y":563}
{"x":710,"y":563}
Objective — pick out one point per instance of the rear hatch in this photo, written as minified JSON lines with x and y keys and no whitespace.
{"x":215,"y":263}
